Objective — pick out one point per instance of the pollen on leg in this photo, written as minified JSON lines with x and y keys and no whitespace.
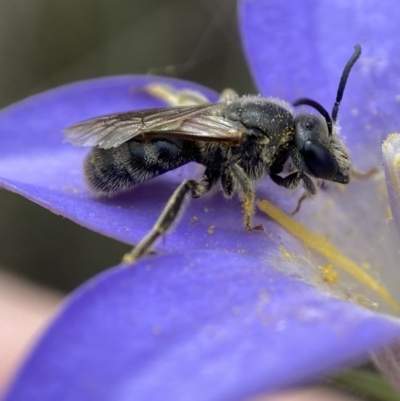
{"x":248,"y":213}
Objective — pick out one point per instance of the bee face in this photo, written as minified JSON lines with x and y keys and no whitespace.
{"x":320,"y":153}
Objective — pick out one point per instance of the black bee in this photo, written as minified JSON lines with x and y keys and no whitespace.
{"x":238,"y":140}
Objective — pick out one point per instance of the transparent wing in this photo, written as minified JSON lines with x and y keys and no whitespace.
{"x":191,"y":122}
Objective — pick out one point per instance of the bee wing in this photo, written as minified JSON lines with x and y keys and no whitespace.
{"x":191,"y":122}
{"x":205,"y":128}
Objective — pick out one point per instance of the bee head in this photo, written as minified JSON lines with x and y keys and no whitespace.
{"x":313,"y":142}
{"x":321,"y":152}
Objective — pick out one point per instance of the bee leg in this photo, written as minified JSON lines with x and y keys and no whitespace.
{"x":209,"y":179}
{"x":176,"y":97}
{"x":233,"y":175}
{"x":362,"y":175}
{"x":227,"y":94}
{"x":292,"y":181}
{"x":165,"y":221}
{"x":310,"y":190}
{"x":184,"y":97}
{"x":227,"y":182}
{"x":300,"y":201}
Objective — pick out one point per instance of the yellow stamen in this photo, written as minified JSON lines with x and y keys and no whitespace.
{"x":321,"y":245}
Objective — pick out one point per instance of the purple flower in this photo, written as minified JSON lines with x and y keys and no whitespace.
{"x":221,"y":314}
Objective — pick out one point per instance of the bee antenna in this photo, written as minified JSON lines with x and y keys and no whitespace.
{"x":343,"y":80}
{"x":309,"y":102}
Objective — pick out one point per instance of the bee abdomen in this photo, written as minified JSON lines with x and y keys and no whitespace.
{"x":109,"y":171}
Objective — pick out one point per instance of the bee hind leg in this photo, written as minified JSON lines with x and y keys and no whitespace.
{"x":170,"y":214}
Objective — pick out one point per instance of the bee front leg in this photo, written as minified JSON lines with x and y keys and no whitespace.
{"x":310,"y":190}
{"x":362,"y":175}
{"x":292,"y":181}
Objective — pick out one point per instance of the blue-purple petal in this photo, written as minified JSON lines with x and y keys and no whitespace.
{"x":196,"y":325}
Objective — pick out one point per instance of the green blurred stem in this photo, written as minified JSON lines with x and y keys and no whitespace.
{"x":370,"y":385}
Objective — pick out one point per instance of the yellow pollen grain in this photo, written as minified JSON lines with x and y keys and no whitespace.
{"x":322,"y":246}
{"x":329,"y":274}
{"x":365,"y":265}
{"x":247,"y":206}
{"x":286,"y":255}
{"x":211,"y":229}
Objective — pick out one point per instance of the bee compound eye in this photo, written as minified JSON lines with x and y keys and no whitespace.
{"x":319,"y":160}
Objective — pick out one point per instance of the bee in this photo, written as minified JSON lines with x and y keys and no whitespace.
{"x":239,"y":140}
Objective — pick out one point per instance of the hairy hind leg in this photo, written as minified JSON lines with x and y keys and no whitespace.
{"x":171,"y":212}
{"x":164,"y":222}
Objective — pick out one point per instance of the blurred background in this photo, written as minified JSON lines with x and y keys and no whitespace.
{"x":44,"y":44}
